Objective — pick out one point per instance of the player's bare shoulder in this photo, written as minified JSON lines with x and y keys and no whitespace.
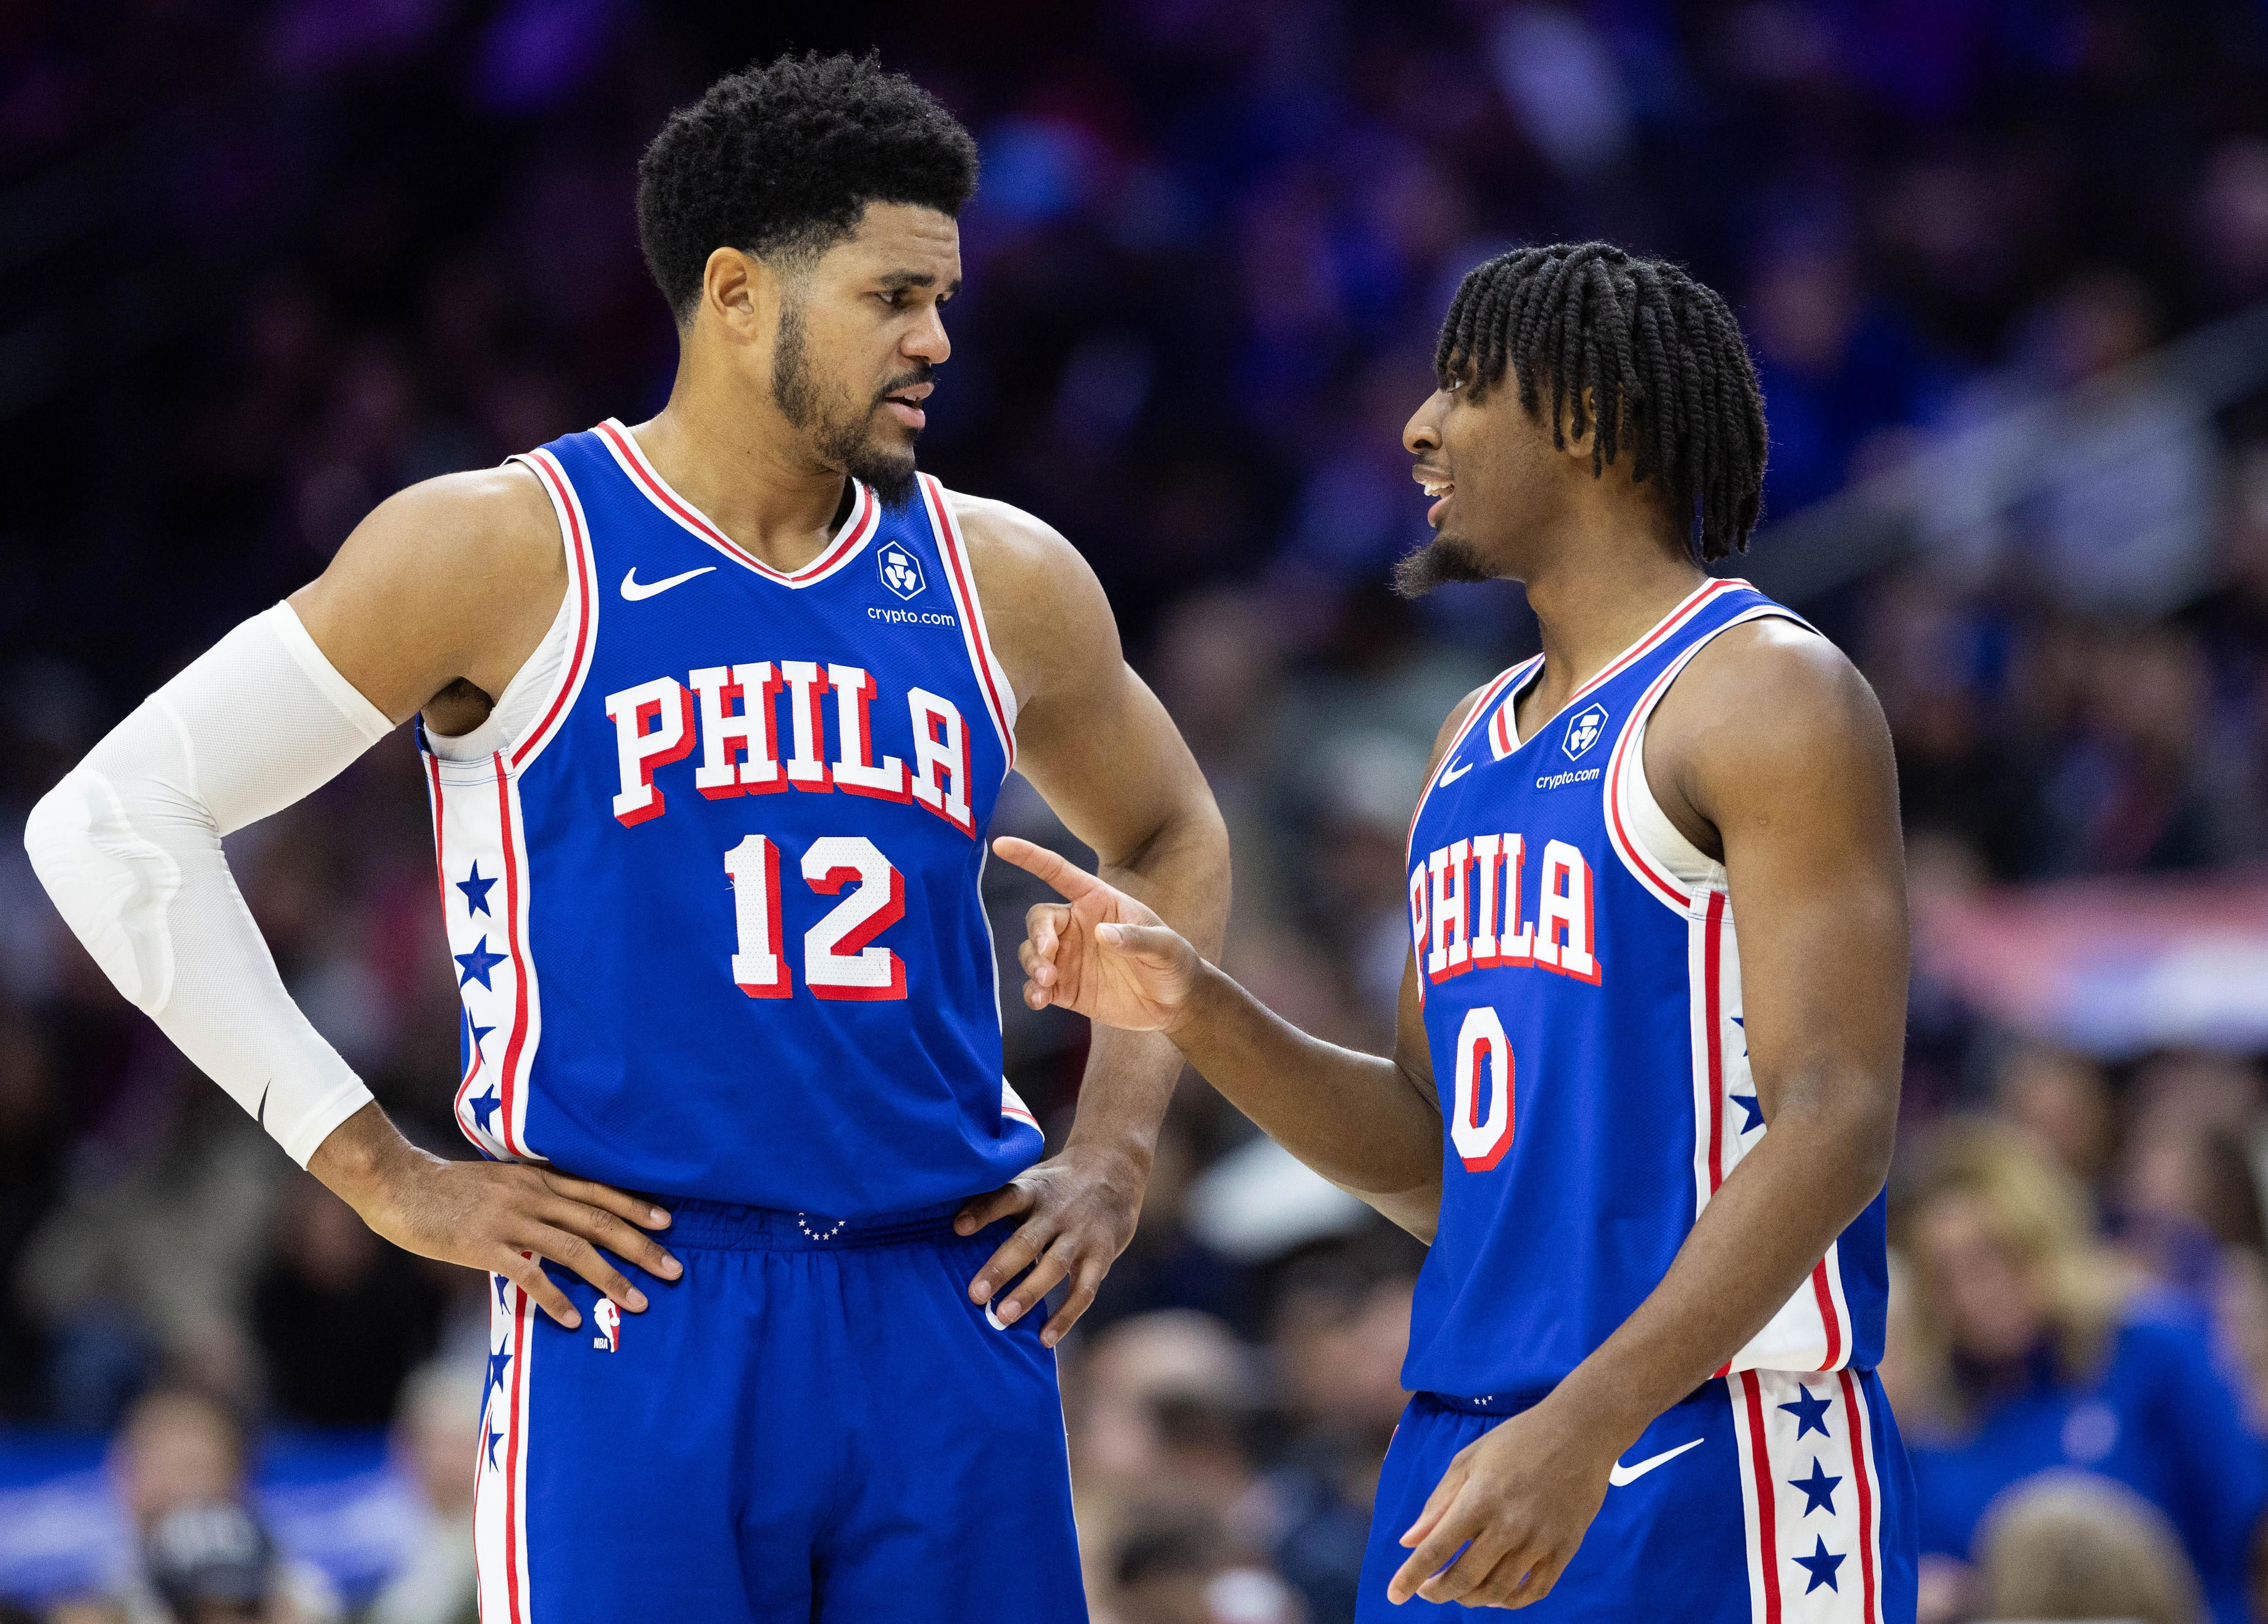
{"x":1767,"y":708}
{"x":1044,"y":607}
{"x":453,"y":579}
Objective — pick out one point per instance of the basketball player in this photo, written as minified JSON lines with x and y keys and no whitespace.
{"x":713,"y":713}
{"x":1648,"y":1154}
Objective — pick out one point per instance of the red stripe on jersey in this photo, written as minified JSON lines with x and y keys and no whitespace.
{"x":1856,"y":1424}
{"x":1623,"y":843}
{"x":519,"y":962}
{"x":862,"y":517}
{"x":565,"y":495}
{"x":1712,"y":970}
{"x":1677,"y":617}
{"x":1767,"y":1513}
{"x":1827,"y":1315}
{"x":947,"y":531}
{"x":511,"y":1499}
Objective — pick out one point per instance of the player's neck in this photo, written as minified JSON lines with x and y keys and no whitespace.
{"x":1600,"y":593}
{"x":742,"y":465}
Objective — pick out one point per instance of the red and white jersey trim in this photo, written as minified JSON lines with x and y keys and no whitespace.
{"x":866,"y":514}
{"x":479,"y":830}
{"x":1626,"y":772}
{"x":1503,"y":681}
{"x":1811,"y":1497}
{"x":500,"y":1492}
{"x":1812,"y":1330}
{"x":582,"y":605}
{"x":961,"y":577}
{"x":1501,"y":740}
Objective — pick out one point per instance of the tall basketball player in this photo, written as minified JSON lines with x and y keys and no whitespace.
{"x":1649,"y":1154}
{"x":713,"y":712}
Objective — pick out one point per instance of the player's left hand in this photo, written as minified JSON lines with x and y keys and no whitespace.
{"x":1507,"y":1516}
{"x":1080,"y":1208}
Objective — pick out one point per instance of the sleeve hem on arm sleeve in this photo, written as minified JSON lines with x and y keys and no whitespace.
{"x":372,"y":723}
{"x":301,"y":1140}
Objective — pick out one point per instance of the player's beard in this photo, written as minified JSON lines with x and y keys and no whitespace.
{"x":1444,"y":559}
{"x":848,"y":443}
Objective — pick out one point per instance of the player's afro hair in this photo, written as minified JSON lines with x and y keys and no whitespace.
{"x":1657,"y":354}
{"x":783,"y":159}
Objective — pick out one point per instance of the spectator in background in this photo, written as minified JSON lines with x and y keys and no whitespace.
{"x":1178,"y":1571}
{"x":2027,"y":1347}
{"x":1342,"y":1326}
{"x":214,"y":1564}
{"x":181,"y":1451}
{"x":1172,"y":1365}
{"x":2070,"y":1546}
{"x":2188,"y":1203}
{"x":2062,"y":1102}
{"x":438,"y":1438}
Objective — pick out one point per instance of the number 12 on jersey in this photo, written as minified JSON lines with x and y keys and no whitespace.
{"x":839,"y":960}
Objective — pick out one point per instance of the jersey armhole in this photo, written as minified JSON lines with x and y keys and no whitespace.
{"x":528,"y":711}
{"x":1677,"y":873}
{"x":961,"y":578}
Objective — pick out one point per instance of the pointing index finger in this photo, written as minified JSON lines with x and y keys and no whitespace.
{"x":1069,"y":879}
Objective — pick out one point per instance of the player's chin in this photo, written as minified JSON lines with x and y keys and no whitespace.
{"x":1447,"y":558}
{"x":886,"y":464}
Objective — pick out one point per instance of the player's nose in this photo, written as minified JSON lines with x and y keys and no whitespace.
{"x":928,"y":341}
{"x":1422,"y":432}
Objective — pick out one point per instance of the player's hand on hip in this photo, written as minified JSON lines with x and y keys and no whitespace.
{"x":1079,"y":1207}
{"x":1099,"y":952}
{"x":1507,"y":1516}
{"x":507,"y":1218}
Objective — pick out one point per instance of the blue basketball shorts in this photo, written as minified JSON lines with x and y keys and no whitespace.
{"x":1768,"y":1497}
{"x":813,"y":1423}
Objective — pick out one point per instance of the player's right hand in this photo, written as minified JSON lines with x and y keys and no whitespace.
{"x":507,"y":1218}
{"x":1100,"y":952}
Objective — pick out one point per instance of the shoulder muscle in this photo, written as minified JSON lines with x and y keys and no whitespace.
{"x":1049,"y":622}
{"x":1773,"y":721}
{"x":453,"y":578}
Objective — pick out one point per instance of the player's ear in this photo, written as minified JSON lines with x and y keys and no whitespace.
{"x":1579,"y":445}
{"x":741,"y":294}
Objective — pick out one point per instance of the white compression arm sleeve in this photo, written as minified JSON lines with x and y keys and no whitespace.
{"x":129,"y":846}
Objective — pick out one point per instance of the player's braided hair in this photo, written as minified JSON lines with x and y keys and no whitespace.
{"x":783,"y":158}
{"x":1655,"y":354}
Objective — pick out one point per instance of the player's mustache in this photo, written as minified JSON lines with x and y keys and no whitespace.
{"x":925,"y":374}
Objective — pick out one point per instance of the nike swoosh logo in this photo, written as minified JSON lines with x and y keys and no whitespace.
{"x":1456,"y":770}
{"x":634,"y":590}
{"x":262,"y":1117}
{"x":1621,"y":1474}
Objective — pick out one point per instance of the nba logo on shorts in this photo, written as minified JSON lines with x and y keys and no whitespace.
{"x":901,"y":571}
{"x":609,"y":1319}
{"x":1583,"y":730}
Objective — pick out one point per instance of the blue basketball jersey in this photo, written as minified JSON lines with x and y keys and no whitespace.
{"x":715,"y":912}
{"x":1583,"y":1005}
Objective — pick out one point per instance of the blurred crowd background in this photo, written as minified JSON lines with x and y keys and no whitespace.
{"x":2001,"y":263}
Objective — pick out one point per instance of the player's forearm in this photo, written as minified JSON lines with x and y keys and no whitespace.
{"x":1183,"y":873}
{"x":1824,"y":1158}
{"x":128,"y":845}
{"x":1356,"y":1119}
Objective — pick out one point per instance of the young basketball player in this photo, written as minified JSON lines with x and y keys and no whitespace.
{"x":713,"y":713}
{"x":1649,"y":1155}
